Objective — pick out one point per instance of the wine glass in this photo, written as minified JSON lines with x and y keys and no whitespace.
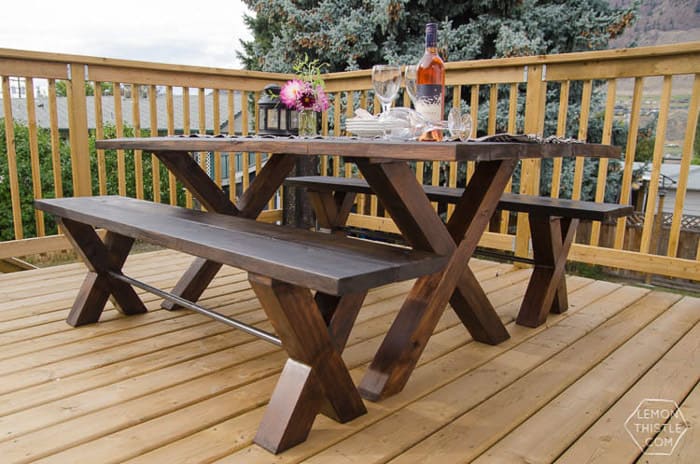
{"x":459,"y":125}
{"x":386,"y":80}
{"x":410,"y":76}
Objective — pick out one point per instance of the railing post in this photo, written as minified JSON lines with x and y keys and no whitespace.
{"x":11,"y":158}
{"x":78,"y":126}
{"x":530,"y":169}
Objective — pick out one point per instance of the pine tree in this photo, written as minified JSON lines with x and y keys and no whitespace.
{"x":355,"y":34}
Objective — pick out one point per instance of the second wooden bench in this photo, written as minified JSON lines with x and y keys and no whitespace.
{"x":553,"y":224}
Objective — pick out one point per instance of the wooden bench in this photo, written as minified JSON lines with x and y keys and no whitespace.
{"x":284,"y":264}
{"x":553,"y":223}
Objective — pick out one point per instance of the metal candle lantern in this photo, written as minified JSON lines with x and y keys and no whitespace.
{"x":274,"y":117}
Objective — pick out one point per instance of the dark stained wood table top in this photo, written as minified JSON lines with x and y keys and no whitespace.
{"x":365,"y":148}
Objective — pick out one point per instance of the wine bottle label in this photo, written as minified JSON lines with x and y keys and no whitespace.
{"x":429,"y":101}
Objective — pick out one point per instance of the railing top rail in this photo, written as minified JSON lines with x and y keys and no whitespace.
{"x":625,"y":53}
{"x":8,"y":53}
{"x":358,"y":80}
{"x":599,"y":55}
{"x":616,"y":54}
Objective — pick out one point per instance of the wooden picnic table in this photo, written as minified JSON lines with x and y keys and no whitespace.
{"x":385,"y":165}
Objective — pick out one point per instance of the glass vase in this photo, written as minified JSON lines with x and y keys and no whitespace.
{"x":307,"y":123}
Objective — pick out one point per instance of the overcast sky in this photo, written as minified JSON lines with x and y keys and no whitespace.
{"x":204,"y":33}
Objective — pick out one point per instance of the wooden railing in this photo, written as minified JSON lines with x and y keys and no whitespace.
{"x":592,"y":95}
{"x":208,"y":99}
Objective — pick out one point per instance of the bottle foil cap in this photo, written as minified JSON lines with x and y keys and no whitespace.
{"x":431,"y":35}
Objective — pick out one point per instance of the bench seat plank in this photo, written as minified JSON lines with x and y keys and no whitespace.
{"x":541,"y":206}
{"x":334,"y":265}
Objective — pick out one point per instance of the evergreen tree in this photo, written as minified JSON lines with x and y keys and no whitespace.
{"x":355,"y":34}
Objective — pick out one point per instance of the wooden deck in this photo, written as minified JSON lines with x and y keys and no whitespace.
{"x":177,"y":387}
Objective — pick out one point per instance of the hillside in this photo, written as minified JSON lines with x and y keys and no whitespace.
{"x":661,"y":22}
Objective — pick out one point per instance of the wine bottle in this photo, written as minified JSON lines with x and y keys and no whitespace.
{"x":430,"y":80}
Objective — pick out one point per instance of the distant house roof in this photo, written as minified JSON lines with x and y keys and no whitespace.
{"x":672,"y":173}
{"x":19,"y":111}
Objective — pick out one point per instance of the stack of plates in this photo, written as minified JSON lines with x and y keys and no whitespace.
{"x":365,"y":127}
{"x":371,"y":127}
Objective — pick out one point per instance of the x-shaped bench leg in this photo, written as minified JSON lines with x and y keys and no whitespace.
{"x":100,"y":258}
{"x":339,"y":314}
{"x":315,"y":378}
{"x":332,"y":210}
{"x":546,"y":292}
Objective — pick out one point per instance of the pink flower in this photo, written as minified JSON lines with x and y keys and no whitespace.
{"x":290,"y":93}
{"x":306,"y":99}
{"x":322,"y":102}
{"x":301,"y":95}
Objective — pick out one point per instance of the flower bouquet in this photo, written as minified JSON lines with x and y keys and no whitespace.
{"x":305,"y":94}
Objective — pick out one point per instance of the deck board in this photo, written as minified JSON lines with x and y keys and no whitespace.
{"x":439,"y":413}
{"x":572,"y":412}
{"x":177,"y":387}
{"x":601,"y":443}
{"x":688,"y":448}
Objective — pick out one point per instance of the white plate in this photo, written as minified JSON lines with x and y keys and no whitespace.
{"x":371,"y":127}
{"x":368,"y":125}
{"x":367,"y":132}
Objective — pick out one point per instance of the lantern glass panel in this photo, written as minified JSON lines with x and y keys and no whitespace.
{"x":273,"y":118}
{"x":284,"y":124}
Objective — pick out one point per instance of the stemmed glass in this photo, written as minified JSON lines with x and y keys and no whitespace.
{"x":386,"y":80}
{"x":410,"y":76}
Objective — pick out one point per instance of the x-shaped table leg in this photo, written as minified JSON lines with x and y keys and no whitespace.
{"x":201,"y":272}
{"x":315,"y":378}
{"x":100,"y":258}
{"x":470,"y":303}
{"x":410,"y":209}
{"x":546,"y":292}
